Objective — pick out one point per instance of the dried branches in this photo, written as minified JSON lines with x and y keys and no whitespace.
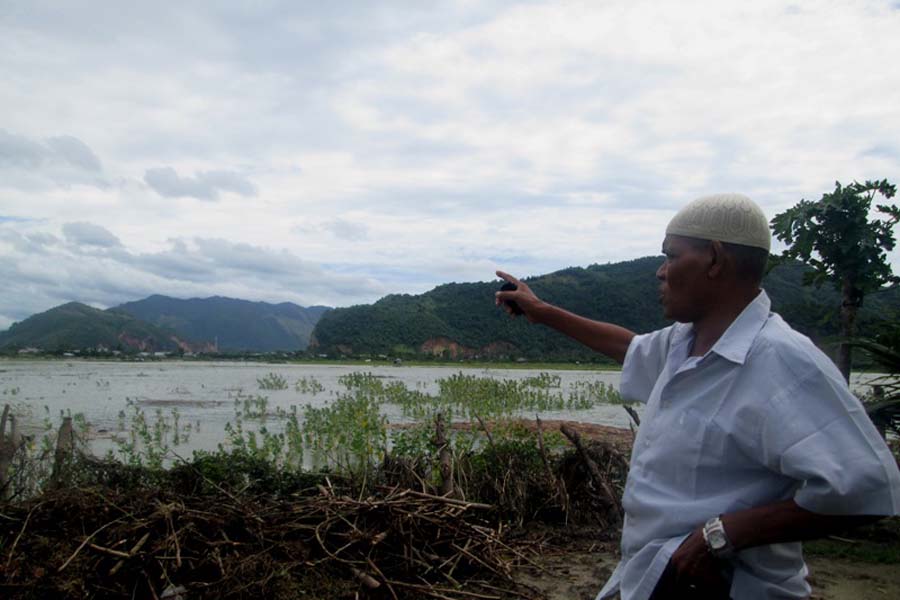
{"x":398,"y":542}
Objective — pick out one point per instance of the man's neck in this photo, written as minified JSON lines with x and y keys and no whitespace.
{"x":709,"y":328}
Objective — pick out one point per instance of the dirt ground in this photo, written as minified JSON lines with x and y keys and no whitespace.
{"x":578,"y":573}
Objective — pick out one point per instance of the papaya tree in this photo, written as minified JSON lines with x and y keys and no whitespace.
{"x":845,"y":244}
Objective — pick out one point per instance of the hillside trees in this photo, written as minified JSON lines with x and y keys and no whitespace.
{"x":836,"y":237}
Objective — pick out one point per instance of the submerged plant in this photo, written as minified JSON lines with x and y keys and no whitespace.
{"x":272,"y":381}
{"x":309,"y":385}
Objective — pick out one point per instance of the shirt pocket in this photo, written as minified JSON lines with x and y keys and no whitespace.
{"x":677,"y":451}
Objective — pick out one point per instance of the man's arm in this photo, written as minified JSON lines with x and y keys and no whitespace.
{"x":785,"y":521}
{"x":606,"y":338}
{"x":773,"y":523}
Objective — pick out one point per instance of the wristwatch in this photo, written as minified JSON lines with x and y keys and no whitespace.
{"x":716,"y":539}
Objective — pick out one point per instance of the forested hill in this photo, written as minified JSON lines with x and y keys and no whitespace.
{"x":238,"y":325}
{"x":460,"y":319}
{"x":76,"y":326}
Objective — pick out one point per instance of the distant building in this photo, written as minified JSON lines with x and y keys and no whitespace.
{"x":30,"y":350}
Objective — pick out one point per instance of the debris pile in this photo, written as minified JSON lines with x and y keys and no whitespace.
{"x":231,"y":526}
{"x":316,"y":544}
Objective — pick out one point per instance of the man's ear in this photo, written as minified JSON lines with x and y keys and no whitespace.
{"x":718,"y":258}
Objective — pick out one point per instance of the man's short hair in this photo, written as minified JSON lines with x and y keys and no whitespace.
{"x":749,"y":262}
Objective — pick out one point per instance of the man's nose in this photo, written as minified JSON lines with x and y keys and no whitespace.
{"x":661,"y":271}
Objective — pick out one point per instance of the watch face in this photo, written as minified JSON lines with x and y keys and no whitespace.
{"x":717,"y":539}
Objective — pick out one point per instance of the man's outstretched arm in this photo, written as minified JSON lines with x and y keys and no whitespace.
{"x":606,"y":338}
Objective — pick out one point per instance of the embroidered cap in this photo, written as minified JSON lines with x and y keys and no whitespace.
{"x":732,"y":218}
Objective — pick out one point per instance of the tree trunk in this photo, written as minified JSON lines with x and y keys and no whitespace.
{"x":851,"y":299}
{"x":445,"y":459}
{"x":65,"y":446}
{"x":9,"y":445}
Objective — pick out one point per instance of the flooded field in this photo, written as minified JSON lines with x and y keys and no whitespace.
{"x":203,"y":397}
{"x":207,"y":395}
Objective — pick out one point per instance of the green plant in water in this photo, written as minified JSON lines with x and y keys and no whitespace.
{"x":309,"y":385}
{"x":272,"y":381}
{"x":350,"y":433}
{"x":147,"y":441}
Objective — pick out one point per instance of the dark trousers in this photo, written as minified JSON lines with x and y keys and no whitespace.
{"x":669,"y":587}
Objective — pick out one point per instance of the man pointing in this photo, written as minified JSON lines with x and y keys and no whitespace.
{"x":750,"y":440}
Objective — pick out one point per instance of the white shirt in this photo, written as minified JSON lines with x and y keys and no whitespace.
{"x":763,"y":416}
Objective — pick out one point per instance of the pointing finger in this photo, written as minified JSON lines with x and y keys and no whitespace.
{"x":508,"y":277}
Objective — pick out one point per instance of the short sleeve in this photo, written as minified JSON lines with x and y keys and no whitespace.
{"x":644,"y":362}
{"x":818,"y":433}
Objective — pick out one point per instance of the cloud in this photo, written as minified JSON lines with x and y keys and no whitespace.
{"x":390,"y":149}
{"x":205,"y":185}
{"x":75,"y":152}
{"x":18,"y":151}
{"x":88,"y":234}
{"x":91,"y":265}
{"x":61,"y":160}
{"x":347,"y":230}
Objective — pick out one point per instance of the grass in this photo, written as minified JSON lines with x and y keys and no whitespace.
{"x":878,"y":543}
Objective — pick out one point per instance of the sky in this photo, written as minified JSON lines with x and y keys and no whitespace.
{"x":331,"y":153}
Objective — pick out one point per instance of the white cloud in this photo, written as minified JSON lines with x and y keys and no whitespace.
{"x":88,"y":234}
{"x":165,"y":181}
{"x":40,"y":163}
{"x":406,"y":146}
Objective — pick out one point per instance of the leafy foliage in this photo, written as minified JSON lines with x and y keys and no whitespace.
{"x":835,"y":237}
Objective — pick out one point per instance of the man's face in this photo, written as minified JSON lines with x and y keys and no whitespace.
{"x":684,"y":284}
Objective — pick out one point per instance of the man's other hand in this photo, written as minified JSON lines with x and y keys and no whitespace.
{"x":694,"y":571}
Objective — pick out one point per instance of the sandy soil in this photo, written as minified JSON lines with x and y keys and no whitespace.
{"x":578,"y":573}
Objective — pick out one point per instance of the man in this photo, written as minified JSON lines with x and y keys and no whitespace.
{"x":750,"y":440}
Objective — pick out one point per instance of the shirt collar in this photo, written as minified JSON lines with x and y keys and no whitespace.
{"x":735,"y":343}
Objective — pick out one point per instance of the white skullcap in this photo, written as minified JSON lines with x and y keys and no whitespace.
{"x":731,"y":218}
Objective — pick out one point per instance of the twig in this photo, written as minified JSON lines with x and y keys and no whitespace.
{"x":611,"y":499}
{"x":844,"y":540}
{"x":118,"y":553}
{"x":86,"y":542}
{"x":486,"y":431}
{"x":453,"y":501}
{"x":560,"y":484}
{"x":385,"y":579}
{"x":24,"y":525}
{"x":633,"y":414}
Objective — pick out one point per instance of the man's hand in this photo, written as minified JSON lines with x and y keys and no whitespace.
{"x":522,"y":296}
{"x":607,"y":338}
{"x":696,"y":568}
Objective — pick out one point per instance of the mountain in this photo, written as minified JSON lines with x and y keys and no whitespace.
{"x":460,"y":319}
{"x":75,"y":326}
{"x":238,"y":325}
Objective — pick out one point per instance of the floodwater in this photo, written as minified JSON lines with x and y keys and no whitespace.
{"x":204,"y":393}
